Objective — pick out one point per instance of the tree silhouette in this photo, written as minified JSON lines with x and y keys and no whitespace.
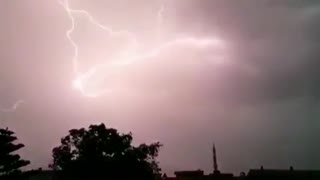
{"x":104,"y":153}
{"x":10,"y":164}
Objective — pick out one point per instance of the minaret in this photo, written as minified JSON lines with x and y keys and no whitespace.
{"x":215,"y":164}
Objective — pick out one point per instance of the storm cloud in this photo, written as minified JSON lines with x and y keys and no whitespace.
{"x":261,"y":106}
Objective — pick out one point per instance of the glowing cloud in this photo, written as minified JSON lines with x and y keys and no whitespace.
{"x":89,"y":83}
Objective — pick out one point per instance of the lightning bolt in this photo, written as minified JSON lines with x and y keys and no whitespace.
{"x":13,"y":108}
{"x":70,"y":13}
{"x":130,"y":56}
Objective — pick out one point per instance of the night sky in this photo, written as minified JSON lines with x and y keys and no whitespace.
{"x":255,"y":94}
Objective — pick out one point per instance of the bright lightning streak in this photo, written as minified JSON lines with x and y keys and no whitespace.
{"x":70,"y":12}
{"x":13,"y":108}
{"x":130,"y":55}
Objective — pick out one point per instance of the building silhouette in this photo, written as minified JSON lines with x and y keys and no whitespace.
{"x":266,"y":174}
{"x":253,"y":174}
{"x":199,"y":174}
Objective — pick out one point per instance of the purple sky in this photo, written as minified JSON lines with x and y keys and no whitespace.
{"x":260,"y":105}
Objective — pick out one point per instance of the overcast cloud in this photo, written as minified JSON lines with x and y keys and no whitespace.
{"x":260,"y":106}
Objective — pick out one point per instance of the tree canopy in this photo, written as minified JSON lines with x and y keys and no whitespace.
{"x":100,"y":152}
{"x":10,"y":163}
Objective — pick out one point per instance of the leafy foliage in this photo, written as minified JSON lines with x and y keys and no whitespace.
{"x":10,"y":164}
{"x":100,"y":152}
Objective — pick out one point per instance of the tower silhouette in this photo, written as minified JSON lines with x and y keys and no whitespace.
{"x":215,"y":164}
